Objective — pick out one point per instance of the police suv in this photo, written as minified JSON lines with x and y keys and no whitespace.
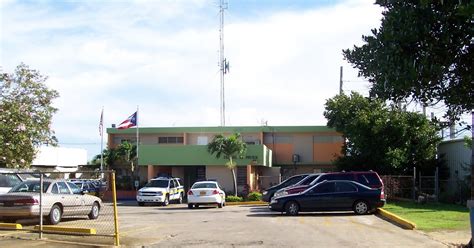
{"x":161,"y":190}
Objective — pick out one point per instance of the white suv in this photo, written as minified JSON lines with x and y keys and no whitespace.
{"x":161,"y":190}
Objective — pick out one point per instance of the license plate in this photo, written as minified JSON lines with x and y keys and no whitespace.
{"x":202,"y":193}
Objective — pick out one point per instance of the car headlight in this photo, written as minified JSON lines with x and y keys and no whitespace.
{"x":159,"y":193}
{"x":140,"y":193}
{"x":274,"y":201}
{"x":265,"y":192}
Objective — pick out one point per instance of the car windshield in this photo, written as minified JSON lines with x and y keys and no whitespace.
{"x":158,"y":183}
{"x":9,"y":180}
{"x":204,"y":186}
{"x":308,"y":180}
{"x":30,"y":186}
{"x":292,"y":180}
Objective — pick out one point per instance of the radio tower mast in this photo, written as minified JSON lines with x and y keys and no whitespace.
{"x":223,"y":63}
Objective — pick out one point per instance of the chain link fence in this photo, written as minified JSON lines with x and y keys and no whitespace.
{"x":78,"y":207}
{"x":398,"y":186}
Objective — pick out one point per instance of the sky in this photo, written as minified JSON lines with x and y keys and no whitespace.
{"x":162,"y":56}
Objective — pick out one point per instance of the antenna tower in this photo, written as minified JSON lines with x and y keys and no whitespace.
{"x":223,"y":63}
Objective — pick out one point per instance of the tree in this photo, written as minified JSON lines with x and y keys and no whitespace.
{"x":423,"y":51}
{"x":128,"y":152}
{"x":110,"y":157}
{"x":25,"y":116}
{"x":232,"y":148}
{"x":380,"y":138}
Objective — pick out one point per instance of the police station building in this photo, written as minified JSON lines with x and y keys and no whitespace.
{"x":273,"y":153}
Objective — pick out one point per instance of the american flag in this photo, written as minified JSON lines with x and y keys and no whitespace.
{"x":101,"y":123}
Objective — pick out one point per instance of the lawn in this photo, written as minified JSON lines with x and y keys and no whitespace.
{"x":432,"y":216}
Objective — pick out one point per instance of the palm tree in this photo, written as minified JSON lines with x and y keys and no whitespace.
{"x":231,"y":147}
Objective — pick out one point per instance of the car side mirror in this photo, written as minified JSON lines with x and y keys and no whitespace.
{"x":85,"y":192}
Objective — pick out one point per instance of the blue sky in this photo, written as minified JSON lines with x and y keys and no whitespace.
{"x":162,"y":55}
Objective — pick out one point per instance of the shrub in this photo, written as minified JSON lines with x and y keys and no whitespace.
{"x":254,"y":196}
{"x":232,"y":198}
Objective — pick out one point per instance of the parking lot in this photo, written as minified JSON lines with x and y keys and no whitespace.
{"x":247,"y":226}
{"x":240,"y":226}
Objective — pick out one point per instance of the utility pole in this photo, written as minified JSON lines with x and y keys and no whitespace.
{"x":223,"y":63}
{"x":340,"y":82}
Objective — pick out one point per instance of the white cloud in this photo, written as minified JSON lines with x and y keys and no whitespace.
{"x":163,"y":57}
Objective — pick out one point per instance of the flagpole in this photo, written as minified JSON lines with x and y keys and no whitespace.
{"x":102,"y":140}
{"x":138,"y":138}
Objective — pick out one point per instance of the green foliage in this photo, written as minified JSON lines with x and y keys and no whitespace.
{"x":110,"y":156}
{"x":468,"y":142}
{"x":128,"y":152}
{"x":423,"y":50}
{"x":233,"y":198}
{"x":254,"y":196}
{"x":231,"y":147}
{"x":25,"y":116}
{"x":389,"y":141}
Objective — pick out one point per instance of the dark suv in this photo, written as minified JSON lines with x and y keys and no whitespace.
{"x":268,"y":193}
{"x":367,"y":178}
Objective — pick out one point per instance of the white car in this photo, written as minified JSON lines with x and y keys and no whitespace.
{"x":206,"y":193}
{"x":60,"y":198}
{"x":161,"y":190}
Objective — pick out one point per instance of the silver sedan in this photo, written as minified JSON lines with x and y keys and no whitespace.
{"x":60,"y":198}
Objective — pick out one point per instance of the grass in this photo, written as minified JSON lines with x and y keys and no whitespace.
{"x":432,"y":216}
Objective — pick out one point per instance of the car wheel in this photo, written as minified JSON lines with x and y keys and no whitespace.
{"x":190,"y":206}
{"x":141,"y":204}
{"x":94,"y":214}
{"x":180,"y":199}
{"x":55,"y":214}
{"x":292,"y":208}
{"x":167,"y":200}
{"x":361,"y":207}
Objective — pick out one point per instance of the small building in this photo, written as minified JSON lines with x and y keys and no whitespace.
{"x":273,"y":153}
{"x":458,"y":159}
{"x":59,"y":159}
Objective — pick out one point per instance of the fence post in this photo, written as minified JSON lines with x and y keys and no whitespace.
{"x":114,"y":199}
{"x":414,"y":183}
{"x":437,"y":184}
{"x":419,"y":182}
{"x":41,"y":207}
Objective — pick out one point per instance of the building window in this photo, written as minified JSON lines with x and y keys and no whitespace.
{"x":202,"y":140}
{"x":170,"y":140}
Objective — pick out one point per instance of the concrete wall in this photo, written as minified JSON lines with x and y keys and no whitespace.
{"x":223,"y":175}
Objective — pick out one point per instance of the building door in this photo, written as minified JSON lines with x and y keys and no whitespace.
{"x":193,"y":174}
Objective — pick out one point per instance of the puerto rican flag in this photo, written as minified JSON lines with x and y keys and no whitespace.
{"x":131,"y":121}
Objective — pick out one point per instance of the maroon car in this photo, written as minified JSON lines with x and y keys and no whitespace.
{"x":367,"y":178}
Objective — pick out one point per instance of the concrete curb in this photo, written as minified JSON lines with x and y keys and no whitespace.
{"x":254,"y":203}
{"x":10,"y":226}
{"x":396,"y":219}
